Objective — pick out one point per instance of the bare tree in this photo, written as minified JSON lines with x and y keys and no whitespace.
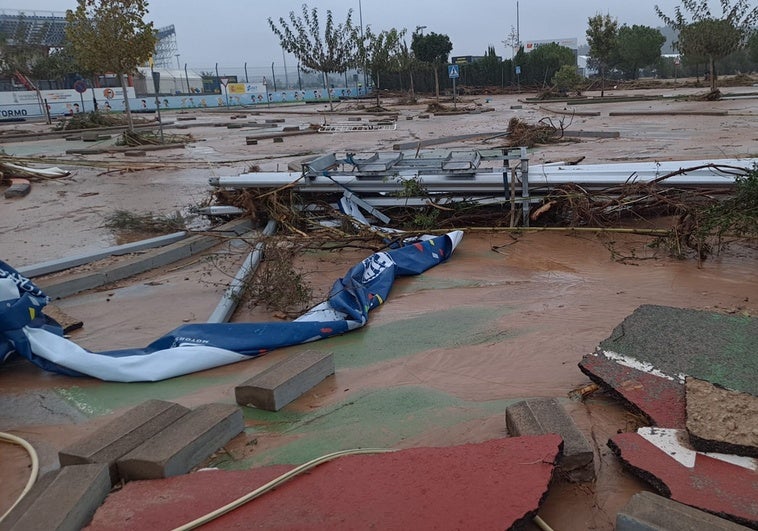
{"x":333,"y":51}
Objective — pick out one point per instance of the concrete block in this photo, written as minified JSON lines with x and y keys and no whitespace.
{"x":282,"y":383}
{"x":135,"y":153}
{"x":18,"y":188}
{"x":540,"y":416}
{"x":274,"y":120}
{"x":251,"y":142}
{"x":649,"y":512}
{"x":278,"y":139}
{"x":122,"y":435}
{"x":290,"y":128}
{"x":186,"y":443}
{"x":63,"y":500}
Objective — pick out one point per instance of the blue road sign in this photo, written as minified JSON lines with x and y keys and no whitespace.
{"x":453,"y":71}
{"x":518,"y":70}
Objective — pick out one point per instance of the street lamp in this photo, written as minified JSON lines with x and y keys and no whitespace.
{"x":179,"y":68}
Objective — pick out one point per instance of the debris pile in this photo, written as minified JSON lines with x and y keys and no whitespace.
{"x":694,"y":375}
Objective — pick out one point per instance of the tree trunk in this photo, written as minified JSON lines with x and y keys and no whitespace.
{"x":127,"y":109}
{"x":602,"y":81}
{"x":413,"y":90}
{"x":328,"y":92}
{"x":712,"y":68}
{"x":378,"y":103}
{"x":437,"y":84}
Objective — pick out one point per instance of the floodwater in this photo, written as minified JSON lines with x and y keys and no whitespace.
{"x":509,"y":316}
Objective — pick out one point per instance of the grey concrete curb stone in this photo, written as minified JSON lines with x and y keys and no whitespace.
{"x":57,"y":288}
{"x":540,"y":416}
{"x":66,"y":500}
{"x":284,"y":382}
{"x":649,"y":512}
{"x":186,"y":443}
{"x":122,"y":435}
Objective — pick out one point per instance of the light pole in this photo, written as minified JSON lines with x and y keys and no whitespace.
{"x":360,"y":20}
{"x":179,"y":69}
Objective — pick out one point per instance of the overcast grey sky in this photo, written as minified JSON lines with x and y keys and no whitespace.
{"x":233,"y":32}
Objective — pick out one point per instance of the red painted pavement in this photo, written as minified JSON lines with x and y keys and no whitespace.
{"x":492,"y":485}
{"x":721,"y":488}
{"x":660,"y":399}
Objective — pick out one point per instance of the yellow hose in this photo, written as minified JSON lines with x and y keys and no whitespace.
{"x":275,"y":483}
{"x":7,"y":437}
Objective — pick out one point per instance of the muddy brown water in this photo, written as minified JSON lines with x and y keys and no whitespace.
{"x":552,"y":296}
{"x":549,"y":297}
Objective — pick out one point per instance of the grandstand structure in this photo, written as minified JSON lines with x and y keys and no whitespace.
{"x":43,"y":28}
{"x":48,"y":29}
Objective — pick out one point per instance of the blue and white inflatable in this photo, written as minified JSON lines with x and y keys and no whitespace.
{"x":28,"y":332}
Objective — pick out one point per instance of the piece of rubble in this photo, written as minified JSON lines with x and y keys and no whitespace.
{"x":649,"y":512}
{"x":286,"y":381}
{"x":184,"y":444}
{"x":721,"y":420}
{"x":122,"y":435}
{"x":540,"y":416}
{"x":721,"y":484}
{"x":498,"y":484}
{"x":62,"y":500}
{"x":18,"y":188}
{"x":659,"y":398}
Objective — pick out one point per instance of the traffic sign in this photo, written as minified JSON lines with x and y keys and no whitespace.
{"x":80,"y":86}
{"x":518,"y":70}
{"x":453,"y":71}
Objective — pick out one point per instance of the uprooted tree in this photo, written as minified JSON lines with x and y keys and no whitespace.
{"x":708,"y":36}
{"x":111,"y":36}
{"x":333,"y":51}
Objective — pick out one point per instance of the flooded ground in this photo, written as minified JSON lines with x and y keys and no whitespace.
{"x":508,"y":317}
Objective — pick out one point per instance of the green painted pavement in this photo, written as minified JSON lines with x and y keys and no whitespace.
{"x":371,"y":344}
{"x":458,"y":327}
{"x":102,"y":398}
{"x":718,"y":348}
{"x":377,"y":419}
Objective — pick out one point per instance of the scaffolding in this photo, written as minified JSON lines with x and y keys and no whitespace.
{"x":166,"y":48}
{"x":41,"y":28}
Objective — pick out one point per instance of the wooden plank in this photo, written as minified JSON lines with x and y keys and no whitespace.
{"x":284,"y":382}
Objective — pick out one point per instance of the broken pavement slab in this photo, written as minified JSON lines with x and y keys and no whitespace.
{"x":498,"y":484}
{"x":659,"y":398}
{"x":63,"y":500}
{"x":707,"y":482}
{"x":184,"y":444}
{"x":649,"y":512}
{"x":646,"y":357}
{"x":708,"y":345}
{"x":122,"y":435}
{"x":540,"y":416}
{"x":721,"y":420}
